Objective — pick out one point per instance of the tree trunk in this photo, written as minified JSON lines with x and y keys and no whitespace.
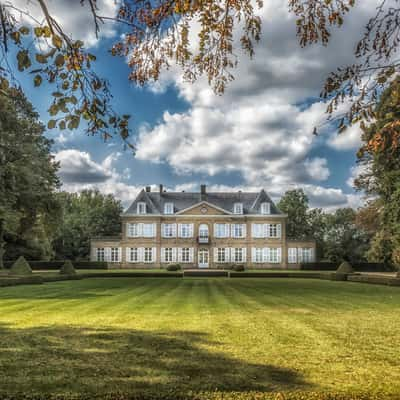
{"x":2,"y":244}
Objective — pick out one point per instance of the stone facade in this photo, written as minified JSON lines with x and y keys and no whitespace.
{"x":195,"y":231}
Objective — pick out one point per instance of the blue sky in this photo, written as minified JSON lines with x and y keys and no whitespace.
{"x":258,"y":134}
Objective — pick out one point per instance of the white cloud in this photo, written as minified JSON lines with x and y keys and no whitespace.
{"x":75,"y":19}
{"x":262,"y":126}
{"x":78,"y":172}
{"x":350,"y":139}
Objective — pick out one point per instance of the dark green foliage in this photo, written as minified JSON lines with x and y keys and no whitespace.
{"x":85,"y":215}
{"x":173,"y":267}
{"x":20,"y":267}
{"x":24,"y":280}
{"x":238,"y":268}
{"x":67,"y":268}
{"x":358,"y":266}
{"x":28,"y":208}
{"x":345,"y":268}
{"x":294,"y":203}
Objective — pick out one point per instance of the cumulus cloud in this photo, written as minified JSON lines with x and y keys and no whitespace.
{"x":76,"y":21}
{"x":78,"y":171}
{"x":262,"y":126}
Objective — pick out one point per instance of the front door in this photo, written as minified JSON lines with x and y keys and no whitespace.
{"x":203,"y":258}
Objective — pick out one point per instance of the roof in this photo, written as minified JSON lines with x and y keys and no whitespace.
{"x":182,"y":200}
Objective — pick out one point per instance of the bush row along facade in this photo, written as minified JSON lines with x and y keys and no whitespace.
{"x":202,"y":230}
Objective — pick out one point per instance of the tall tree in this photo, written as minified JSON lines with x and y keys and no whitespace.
{"x":380,"y":156}
{"x":27,"y":175}
{"x":295,"y":204}
{"x":85,"y":215}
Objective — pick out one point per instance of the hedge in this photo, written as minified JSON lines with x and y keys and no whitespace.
{"x":205,"y":273}
{"x":359,"y":267}
{"x":57,"y":264}
{"x":26,"y":280}
{"x":129,"y":274}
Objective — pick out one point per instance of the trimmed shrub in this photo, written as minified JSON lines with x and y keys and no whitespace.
{"x":173,"y":267}
{"x":21,"y":267}
{"x":67,"y":268}
{"x":332,"y":266}
{"x":345,"y":268}
{"x":238,"y":268}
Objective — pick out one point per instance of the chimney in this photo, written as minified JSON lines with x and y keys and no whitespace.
{"x":148,"y":189}
{"x":161,"y":187}
{"x":203,"y":192}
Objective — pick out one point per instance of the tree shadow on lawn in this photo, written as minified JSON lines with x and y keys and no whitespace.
{"x":86,"y":360}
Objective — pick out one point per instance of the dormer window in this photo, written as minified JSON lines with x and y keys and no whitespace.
{"x":141,"y":207}
{"x":265,"y":208}
{"x":238,"y":208}
{"x":168,"y":208}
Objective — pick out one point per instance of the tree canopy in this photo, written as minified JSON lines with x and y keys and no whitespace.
{"x":199,"y":36}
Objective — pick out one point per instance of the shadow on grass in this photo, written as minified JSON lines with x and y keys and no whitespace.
{"x":80,"y":360}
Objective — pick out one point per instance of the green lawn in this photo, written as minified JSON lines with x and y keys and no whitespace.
{"x":191,"y":335}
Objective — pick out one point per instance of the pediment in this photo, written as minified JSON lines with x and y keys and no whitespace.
{"x":203,"y":208}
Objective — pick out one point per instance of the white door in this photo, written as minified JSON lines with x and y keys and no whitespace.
{"x":203,"y":258}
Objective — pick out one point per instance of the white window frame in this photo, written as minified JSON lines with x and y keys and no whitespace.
{"x":169,"y":230}
{"x":258,"y":255}
{"x":148,"y":255}
{"x":114,"y":254}
{"x":238,"y":255}
{"x":185,"y":230}
{"x":221,"y":255}
{"x":134,"y":254}
{"x":221,"y":230}
{"x":292,"y":255}
{"x":132,"y":230}
{"x":149,"y":230}
{"x":265,"y":208}
{"x":258,"y":230}
{"x":100,"y":254}
{"x":238,"y":208}
{"x":185,"y":254}
{"x":274,"y":230}
{"x":168,"y":255}
{"x":168,"y":208}
{"x":141,"y":208}
{"x":238,"y":231}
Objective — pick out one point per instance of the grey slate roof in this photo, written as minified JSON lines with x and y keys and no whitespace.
{"x":155,"y":201}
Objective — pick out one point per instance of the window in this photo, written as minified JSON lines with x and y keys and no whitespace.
{"x":238,"y":230}
{"x":114,"y":254}
{"x":134,"y":254}
{"x":258,"y":230}
{"x":168,"y":257}
{"x":305,"y":255}
{"x":168,"y":208}
{"x":185,"y":254}
{"x":185,"y":230}
{"x":238,"y":208}
{"x":169,"y":230}
{"x":221,"y":230}
{"x":141,"y":207}
{"x":149,"y":230}
{"x":100,"y":254}
{"x":258,"y":255}
{"x":292,"y":255}
{"x":221,"y":255}
{"x":132,"y":230}
{"x":265,"y":208}
{"x":274,"y":231}
{"x":238,"y":254}
{"x":148,"y":254}
{"x":273,"y":255}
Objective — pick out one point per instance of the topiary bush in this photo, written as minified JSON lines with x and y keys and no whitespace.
{"x":345,"y":268}
{"x":67,"y":268}
{"x":21,"y":267}
{"x":238,"y":268}
{"x":173,"y":267}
